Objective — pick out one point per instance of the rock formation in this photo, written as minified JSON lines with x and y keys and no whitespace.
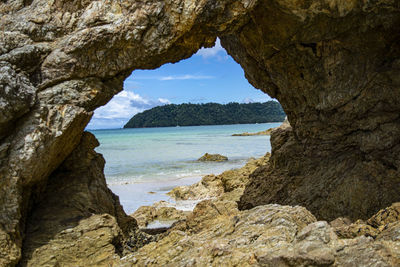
{"x":212,"y":157}
{"x":266,"y":132}
{"x":60,"y":60}
{"x":333,"y":65}
{"x":218,"y":234}
{"x":77,"y":220}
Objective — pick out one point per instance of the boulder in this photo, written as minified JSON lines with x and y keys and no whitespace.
{"x":213,"y":157}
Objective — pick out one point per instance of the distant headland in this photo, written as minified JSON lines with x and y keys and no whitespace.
{"x":207,"y":114}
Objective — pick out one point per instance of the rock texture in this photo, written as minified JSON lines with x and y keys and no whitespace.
{"x":218,"y":234}
{"x":334,"y":66}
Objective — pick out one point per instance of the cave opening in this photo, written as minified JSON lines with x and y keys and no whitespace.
{"x":145,"y":162}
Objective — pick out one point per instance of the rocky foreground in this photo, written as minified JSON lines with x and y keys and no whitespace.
{"x":217,"y":233}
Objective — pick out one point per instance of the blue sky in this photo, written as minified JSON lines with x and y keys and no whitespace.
{"x":210,"y":75}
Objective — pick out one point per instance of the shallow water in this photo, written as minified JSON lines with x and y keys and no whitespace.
{"x":139,"y":161}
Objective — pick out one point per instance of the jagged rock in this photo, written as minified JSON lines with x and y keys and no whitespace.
{"x":212,"y":157}
{"x":229,"y":185}
{"x":341,"y":97}
{"x":384,"y":224}
{"x":386,"y":216}
{"x":218,"y":234}
{"x":352,"y":230}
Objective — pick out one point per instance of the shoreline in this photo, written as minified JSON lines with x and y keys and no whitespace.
{"x":180,"y":201}
{"x":135,"y":195}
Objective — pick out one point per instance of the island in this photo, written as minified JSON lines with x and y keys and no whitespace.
{"x":207,"y":114}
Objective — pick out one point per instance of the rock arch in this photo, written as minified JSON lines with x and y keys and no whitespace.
{"x":333,"y":65}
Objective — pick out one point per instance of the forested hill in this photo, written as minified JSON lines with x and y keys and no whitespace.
{"x":207,"y":114}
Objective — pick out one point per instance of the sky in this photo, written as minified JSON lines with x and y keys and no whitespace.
{"x":210,"y":75}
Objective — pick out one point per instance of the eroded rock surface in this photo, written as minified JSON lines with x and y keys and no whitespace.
{"x":218,"y":234}
{"x":335,"y":67}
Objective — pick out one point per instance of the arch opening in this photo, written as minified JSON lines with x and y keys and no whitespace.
{"x":333,"y":66}
{"x":156,"y":160}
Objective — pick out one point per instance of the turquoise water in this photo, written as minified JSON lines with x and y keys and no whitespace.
{"x":157,"y":159}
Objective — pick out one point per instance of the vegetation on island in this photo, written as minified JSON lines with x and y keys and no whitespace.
{"x":207,"y":114}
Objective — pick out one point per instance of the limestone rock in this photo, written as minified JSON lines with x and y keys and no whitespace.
{"x":212,"y":157}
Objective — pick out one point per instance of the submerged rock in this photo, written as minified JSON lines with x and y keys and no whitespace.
{"x":284,"y":124}
{"x":266,"y":132}
{"x":212,"y":157}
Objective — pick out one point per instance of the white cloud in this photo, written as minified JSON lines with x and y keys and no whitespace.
{"x":211,"y":52}
{"x":262,"y":99}
{"x":121,"y":108}
{"x":248,"y":100}
{"x":164,"y":101}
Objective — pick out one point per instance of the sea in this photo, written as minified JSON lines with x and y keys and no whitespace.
{"x":143,"y":164}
